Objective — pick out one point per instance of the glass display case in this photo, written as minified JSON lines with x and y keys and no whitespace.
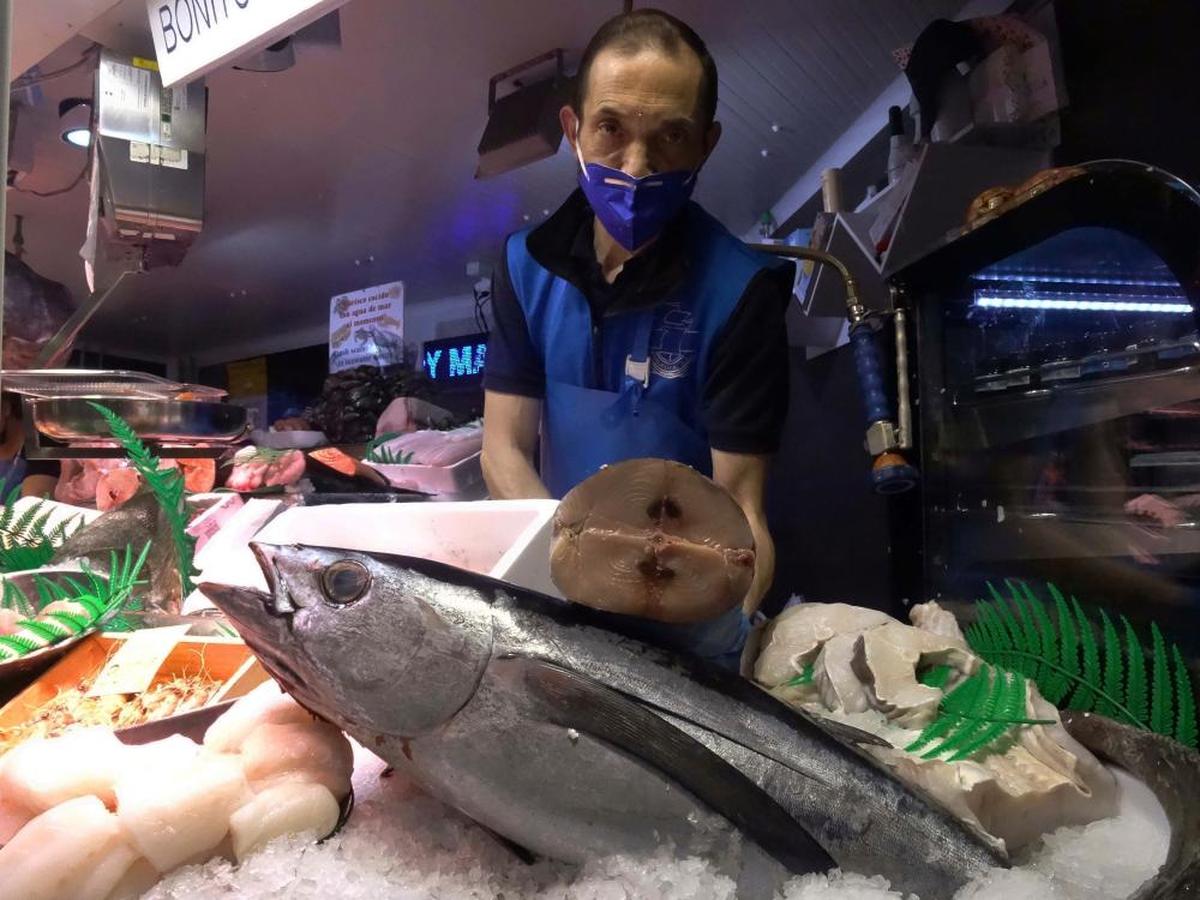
{"x":1059,"y":397}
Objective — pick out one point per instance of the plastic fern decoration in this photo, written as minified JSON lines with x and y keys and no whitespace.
{"x":974,"y":716}
{"x":167,"y":486}
{"x":25,"y":542}
{"x":1075,"y":670}
{"x":100,"y":603}
{"x":805,"y":677}
{"x":378,"y":453}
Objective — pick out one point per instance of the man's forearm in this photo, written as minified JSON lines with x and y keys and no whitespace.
{"x":510,"y":475}
{"x":764,"y":563}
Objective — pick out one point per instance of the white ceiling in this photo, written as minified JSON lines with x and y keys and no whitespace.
{"x":369,"y":151}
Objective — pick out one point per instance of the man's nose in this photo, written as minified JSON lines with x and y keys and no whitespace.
{"x":637,"y":161}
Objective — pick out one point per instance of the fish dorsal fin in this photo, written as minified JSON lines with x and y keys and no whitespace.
{"x":574,"y":701}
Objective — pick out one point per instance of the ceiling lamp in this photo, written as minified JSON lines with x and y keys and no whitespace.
{"x":75,"y":121}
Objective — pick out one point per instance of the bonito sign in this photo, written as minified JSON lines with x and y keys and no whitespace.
{"x":192,"y":37}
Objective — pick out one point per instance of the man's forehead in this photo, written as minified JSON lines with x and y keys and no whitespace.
{"x":649,"y":82}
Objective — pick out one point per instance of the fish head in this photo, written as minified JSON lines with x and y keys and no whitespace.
{"x":361,"y":639}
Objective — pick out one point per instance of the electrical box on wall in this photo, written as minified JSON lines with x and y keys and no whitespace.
{"x":150,"y":145}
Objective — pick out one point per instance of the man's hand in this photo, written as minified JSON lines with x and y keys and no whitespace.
{"x":745,"y":477}
{"x":1162,"y":512}
{"x":510,"y":434}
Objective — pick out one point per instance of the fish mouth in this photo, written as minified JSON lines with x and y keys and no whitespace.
{"x":268,"y":635}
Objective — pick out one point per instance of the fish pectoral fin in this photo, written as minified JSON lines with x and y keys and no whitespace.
{"x":571,"y":700}
{"x":849,"y":733}
{"x":524,"y":854}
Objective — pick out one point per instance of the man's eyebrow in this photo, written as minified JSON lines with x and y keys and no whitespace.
{"x":609,"y":110}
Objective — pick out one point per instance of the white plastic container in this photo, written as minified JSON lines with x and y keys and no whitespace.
{"x":461,"y":481}
{"x":507,"y":539}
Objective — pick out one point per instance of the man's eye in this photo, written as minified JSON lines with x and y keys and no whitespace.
{"x":608,"y":128}
{"x":676,"y":136}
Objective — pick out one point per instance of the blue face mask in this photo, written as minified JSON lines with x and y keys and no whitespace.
{"x":633,"y":210}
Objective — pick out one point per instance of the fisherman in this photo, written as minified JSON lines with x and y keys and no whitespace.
{"x":631,"y":323}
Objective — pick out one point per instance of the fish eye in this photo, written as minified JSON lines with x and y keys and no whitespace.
{"x":345,"y":581}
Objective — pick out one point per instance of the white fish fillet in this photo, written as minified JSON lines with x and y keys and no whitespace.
{"x":315,"y":752}
{"x":174,"y":816}
{"x":43,"y":772}
{"x":265,"y":704}
{"x":282,"y":809}
{"x":76,"y":850}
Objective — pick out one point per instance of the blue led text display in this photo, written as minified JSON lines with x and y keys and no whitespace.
{"x":459,"y":360}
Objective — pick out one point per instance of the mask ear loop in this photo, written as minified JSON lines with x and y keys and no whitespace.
{"x":579,"y":152}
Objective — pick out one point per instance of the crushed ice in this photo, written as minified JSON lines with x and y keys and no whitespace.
{"x":402,"y":845}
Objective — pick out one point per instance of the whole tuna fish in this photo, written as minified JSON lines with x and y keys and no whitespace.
{"x":549,"y":724}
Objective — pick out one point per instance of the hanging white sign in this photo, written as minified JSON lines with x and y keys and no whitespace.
{"x":366,"y":328}
{"x":192,"y":37}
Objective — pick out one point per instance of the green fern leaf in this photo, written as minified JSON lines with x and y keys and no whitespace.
{"x":1068,"y":655}
{"x":45,"y":598}
{"x":168,"y":488}
{"x":44,"y":630}
{"x":1055,"y":682}
{"x":1011,"y":707}
{"x":15,"y":599}
{"x":1084,"y":697}
{"x":974,"y":717}
{"x":936,"y":677}
{"x":20,"y":644}
{"x":968,"y":695}
{"x":1029,"y":634}
{"x":1114,"y":675}
{"x":1185,"y":701}
{"x":1005,"y":627}
{"x":77,"y":624}
{"x":1161,"y":708}
{"x":55,"y":589}
{"x":22,"y":528}
{"x":805,"y":677}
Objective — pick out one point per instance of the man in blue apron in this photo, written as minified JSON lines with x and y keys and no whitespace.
{"x":631,"y":323}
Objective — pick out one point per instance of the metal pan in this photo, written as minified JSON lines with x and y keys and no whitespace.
{"x":50,"y":384}
{"x":185,"y":421}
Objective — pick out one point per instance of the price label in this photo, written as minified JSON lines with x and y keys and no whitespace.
{"x":132,"y":668}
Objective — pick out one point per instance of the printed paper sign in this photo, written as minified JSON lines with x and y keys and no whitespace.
{"x":192,"y":37}
{"x":132,"y":668}
{"x":366,"y":328}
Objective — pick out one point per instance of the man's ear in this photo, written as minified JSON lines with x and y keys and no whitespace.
{"x":570,"y":125}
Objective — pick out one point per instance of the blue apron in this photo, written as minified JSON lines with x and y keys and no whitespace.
{"x":631,"y":385}
{"x":12,"y":473}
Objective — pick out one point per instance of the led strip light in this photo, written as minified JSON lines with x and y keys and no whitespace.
{"x":1142,"y":306}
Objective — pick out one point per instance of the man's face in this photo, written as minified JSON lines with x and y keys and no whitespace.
{"x":641,"y":113}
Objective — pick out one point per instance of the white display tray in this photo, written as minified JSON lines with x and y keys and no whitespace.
{"x":507,"y":539}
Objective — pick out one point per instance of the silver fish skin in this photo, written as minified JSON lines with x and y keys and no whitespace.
{"x":1172,"y":771}
{"x":140,"y":520}
{"x":548,"y":724}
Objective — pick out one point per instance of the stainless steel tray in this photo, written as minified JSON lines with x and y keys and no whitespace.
{"x":72,"y":420}
{"x":99,"y":383}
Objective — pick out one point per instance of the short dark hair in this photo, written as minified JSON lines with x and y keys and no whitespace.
{"x":632,"y":32}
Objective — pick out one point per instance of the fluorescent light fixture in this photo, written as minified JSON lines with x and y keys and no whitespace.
{"x":1035,"y":278}
{"x":1097,"y":305}
{"x":80,"y":137}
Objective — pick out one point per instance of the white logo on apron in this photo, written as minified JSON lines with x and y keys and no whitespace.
{"x":674,"y":343}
